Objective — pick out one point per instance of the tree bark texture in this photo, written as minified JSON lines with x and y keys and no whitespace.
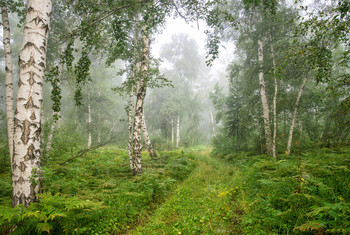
{"x":274,"y":153}
{"x":178,"y":131}
{"x":264,"y":100}
{"x":9,"y":77}
{"x":130,"y":116}
{"x":27,"y":122}
{"x":295,"y":112}
{"x":150,"y":148}
{"x":140,"y":97}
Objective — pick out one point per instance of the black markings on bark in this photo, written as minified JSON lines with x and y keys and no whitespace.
{"x":29,"y":104}
{"x":20,"y":83}
{"x":30,"y":9}
{"x":31,"y":78}
{"x":30,"y":152}
{"x":30,"y":44}
{"x":33,"y":117}
{"x":37,"y":20}
{"x":26,"y":132}
{"x":23,"y":167}
{"x":42,"y":64}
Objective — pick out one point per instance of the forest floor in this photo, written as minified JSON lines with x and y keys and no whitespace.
{"x":198,"y":204}
{"x":187,"y":191}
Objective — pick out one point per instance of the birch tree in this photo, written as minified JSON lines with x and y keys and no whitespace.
{"x":263,"y":97}
{"x":150,"y":148}
{"x":291,"y":129}
{"x":141,"y":93}
{"x":27,"y":122}
{"x":9,"y":76}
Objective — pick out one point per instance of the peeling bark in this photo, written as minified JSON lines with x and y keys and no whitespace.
{"x":9,"y":77}
{"x":27,"y":128}
{"x":151,"y":151}
{"x":264,"y":100}
{"x":295,"y":112}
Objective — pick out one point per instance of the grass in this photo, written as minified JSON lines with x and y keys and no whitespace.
{"x":198,"y":205}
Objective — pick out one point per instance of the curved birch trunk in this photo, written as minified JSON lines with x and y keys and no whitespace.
{"x":295,"y":112}
{"x":141,"y":93}
{"x":178,"y":132}
{"x":9,"y":77}
{"x":274,"y":153}
{"x":151,"y":151}
{"x":264,"y":101}
{"x":27,"y":122}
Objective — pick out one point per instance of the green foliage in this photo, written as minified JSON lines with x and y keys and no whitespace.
{"x":294,"y":196}
{"x":96,"y":194}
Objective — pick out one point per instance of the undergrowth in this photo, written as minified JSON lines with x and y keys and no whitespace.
{"x":95,"y":194}
{"x":305,"y":194}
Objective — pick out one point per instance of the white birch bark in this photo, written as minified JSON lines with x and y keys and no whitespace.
{"x":9,"y":77}
{"x":89,"y":121}
{"x":27,"y":122}
{"x":141,"y":93}
{"x":274,"y":153}
{"x":150,"y":148}
{"x":172,"y":133}
{"x":178,"y":132}
{"x":264,"y":100}
{"x":213,"y":122}
{"x":295,"y":112}
{"x":130,"y":116}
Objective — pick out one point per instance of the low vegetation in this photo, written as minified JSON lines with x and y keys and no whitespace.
{"x":94,"y":194}
{"x":307,"y":193}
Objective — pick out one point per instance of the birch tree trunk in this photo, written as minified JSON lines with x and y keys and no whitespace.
{"x":141,"y":93}
{"x":151,"y":151}
{"x":264,"y":100}
{"x":9,"y":77}
{"x":89,"y":120}
{"x":295,"y":112}
{"x":27,"y":122}
{"x":178,"y":132}
{"x":274,"y":154}
{"x":131,"y":107}
{"x":212,"y":122}
{"x":135,"y":71}
{"x":172,"y":133}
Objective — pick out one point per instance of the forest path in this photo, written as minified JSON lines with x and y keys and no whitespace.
{"x":199,"y":205}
